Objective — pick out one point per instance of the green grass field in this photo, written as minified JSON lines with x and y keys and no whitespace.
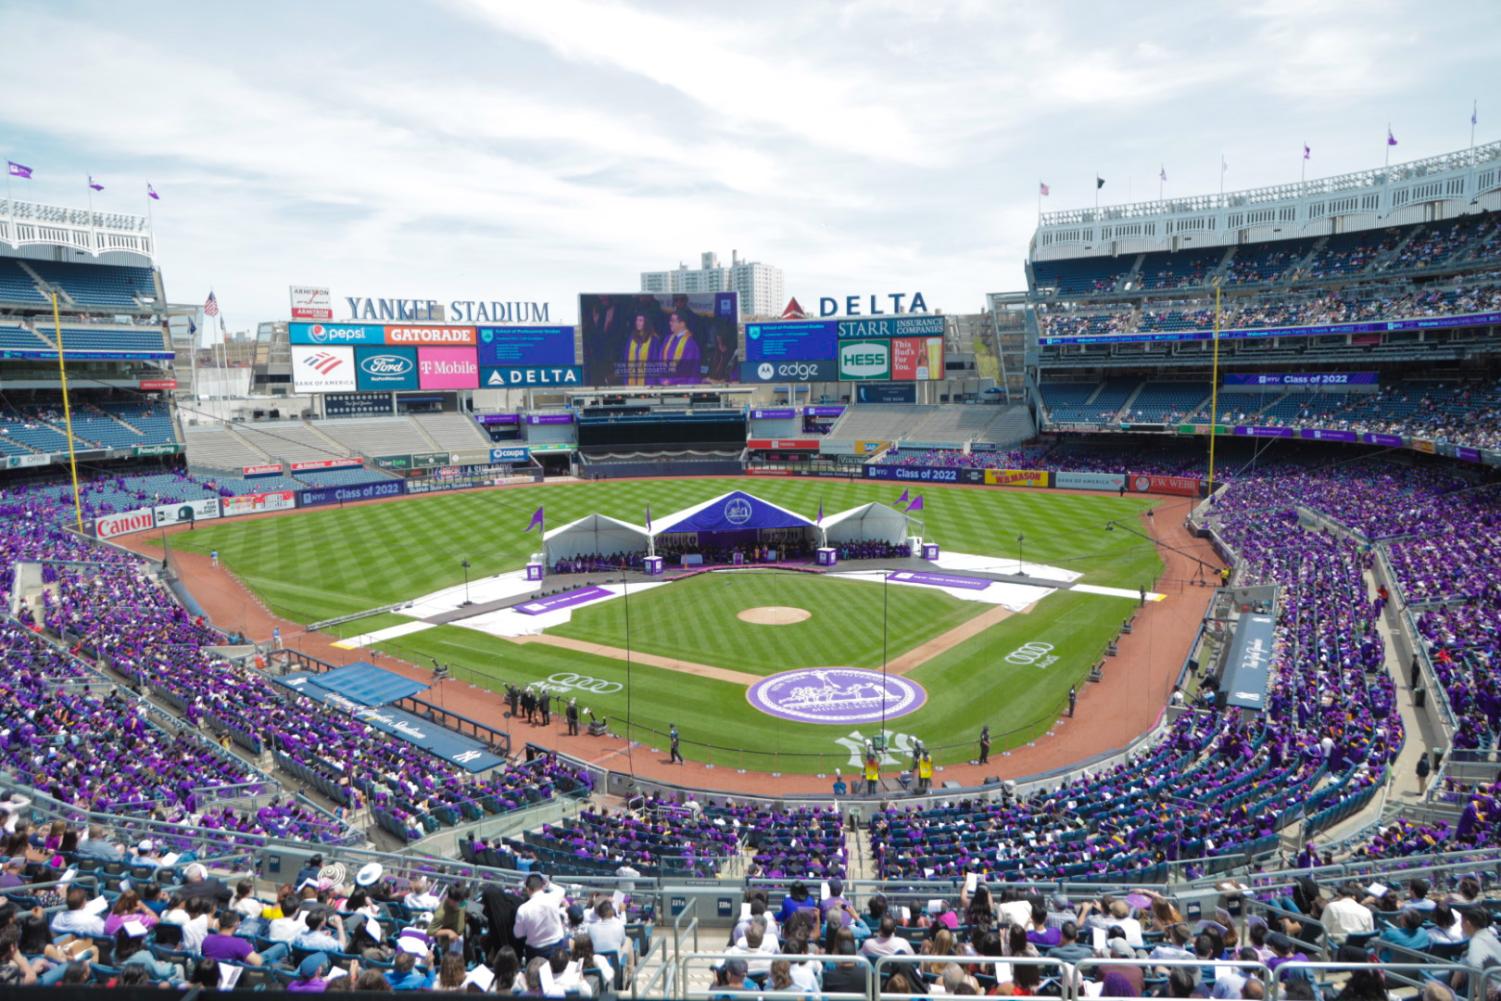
{"x":701,"y":613}
{"x":322,"y":564}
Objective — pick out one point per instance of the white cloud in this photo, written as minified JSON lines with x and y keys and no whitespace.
{"x":481,"y":149}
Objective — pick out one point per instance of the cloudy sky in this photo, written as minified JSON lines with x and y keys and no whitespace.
{"x":481,"y":149}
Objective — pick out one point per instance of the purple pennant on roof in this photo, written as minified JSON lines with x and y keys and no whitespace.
{"x":916,"y":504}
{"x":537,"y":519}
{"x":903,"y":498}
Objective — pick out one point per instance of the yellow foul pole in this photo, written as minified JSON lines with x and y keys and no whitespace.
{"x":1214,"y":389}
{"x":62,"y":371}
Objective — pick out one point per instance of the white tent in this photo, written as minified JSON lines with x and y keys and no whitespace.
{"x":594,"y":534}
{"x":867,"y":523}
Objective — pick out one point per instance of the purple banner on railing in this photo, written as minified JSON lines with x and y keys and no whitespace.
{"x":822,"y":411}
{"x":1325,"y":434}
{"x":1388,"y":440}
{"x":1302,"y":379}
{"x":1259,"y":432}
{"x":567,"y":599}
{"x":1467,"y":454}
{"x":500,"y":418}
{"x":549,"y":418}
{"x":781,"y":413}
{"x":939,"y":580}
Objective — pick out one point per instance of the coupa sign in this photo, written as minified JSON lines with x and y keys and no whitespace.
{"x":865,"y":360}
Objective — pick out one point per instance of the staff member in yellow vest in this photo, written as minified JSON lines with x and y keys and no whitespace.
{"x":872,"y":774}
{"x":925,"y":772}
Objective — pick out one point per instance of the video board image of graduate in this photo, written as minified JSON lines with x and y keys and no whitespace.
{"x":659,"y":339}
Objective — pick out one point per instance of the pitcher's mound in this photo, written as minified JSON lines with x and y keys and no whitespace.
{"x":774,"y":615}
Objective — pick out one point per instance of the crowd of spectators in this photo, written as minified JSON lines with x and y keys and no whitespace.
{"x":110,"y":608}
{"x":182,"y":926}
{"x":617,"y":562}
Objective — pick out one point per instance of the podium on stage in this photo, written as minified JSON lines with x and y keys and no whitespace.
{"x":827,"y":556}
{"x":535,"y":566}
{"x":653,"y":566}
{"x":930,"y":551}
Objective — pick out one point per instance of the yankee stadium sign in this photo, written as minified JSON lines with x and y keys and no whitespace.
{"x":455,"y":311}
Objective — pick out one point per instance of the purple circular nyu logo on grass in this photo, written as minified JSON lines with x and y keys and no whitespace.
{"x":839,"y":695}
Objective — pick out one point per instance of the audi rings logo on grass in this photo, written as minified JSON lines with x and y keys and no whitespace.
{"x":567,"y":681}
{"x":1034,"y":654}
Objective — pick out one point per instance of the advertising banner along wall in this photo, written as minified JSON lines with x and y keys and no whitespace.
{"x":205,"y":509}
{"x":1017,"y":478}
{"x":359,"y":492}
{"x":1178,"y":486}
{"x":276,"y":500}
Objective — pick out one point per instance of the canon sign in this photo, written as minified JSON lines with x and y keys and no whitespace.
{"x":113,"y":525}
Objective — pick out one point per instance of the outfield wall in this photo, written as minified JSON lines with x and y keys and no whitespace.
{"x":427,"y":481}
{"x":1041,"y":479}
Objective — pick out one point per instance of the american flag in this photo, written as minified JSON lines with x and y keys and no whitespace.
{"x":211,"y":306}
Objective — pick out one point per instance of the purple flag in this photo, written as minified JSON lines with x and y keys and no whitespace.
{"x":916,"y":504}
{"x":536,"y":520}
{"x":95,"y":184}
{"x":151,"y":193}
{"x":15,"y":169}
{"x":903,"y":498}
{"x":1307,"y":152}
{"x":1391,"y":140}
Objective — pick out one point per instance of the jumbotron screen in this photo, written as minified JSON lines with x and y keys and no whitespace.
{"x":669,"y":339}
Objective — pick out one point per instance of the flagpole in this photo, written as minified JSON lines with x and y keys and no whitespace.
{"x":1386,"y":158}
{"x":1303,"y":167}
{"x":93,"y":238}
{"x":62,"y":375}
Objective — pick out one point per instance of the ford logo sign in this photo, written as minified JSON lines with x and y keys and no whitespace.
{"x":389,"y":365}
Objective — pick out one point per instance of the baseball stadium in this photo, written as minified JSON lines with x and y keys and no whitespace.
{"x":1135,"y":634}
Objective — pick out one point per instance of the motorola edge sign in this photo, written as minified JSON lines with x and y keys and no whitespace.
{"x":788,"y":371}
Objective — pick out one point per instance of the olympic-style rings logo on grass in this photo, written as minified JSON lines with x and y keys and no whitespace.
{"x":1031,"y":653}
{"x":568,"y":681}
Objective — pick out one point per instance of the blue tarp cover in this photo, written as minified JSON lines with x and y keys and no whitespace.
{"x":369,"y":685}
{"x":431,"y":737}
